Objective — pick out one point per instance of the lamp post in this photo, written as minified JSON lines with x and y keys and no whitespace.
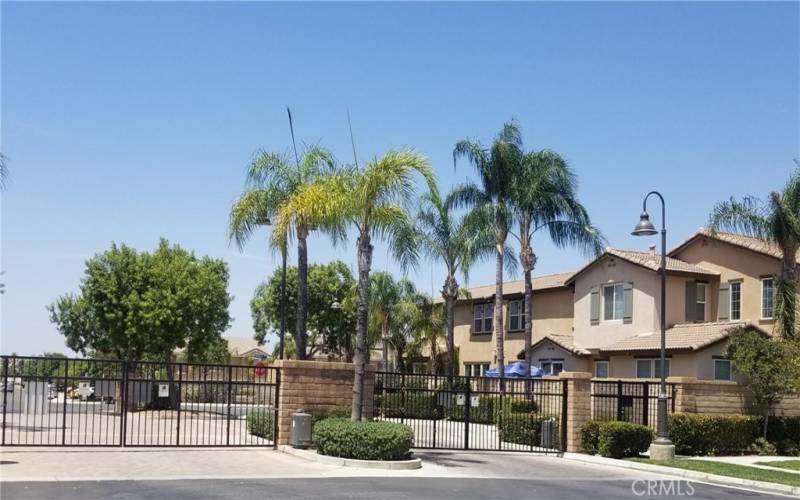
{"x":662,"y":448}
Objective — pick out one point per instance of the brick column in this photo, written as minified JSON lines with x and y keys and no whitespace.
{"x":317,"y":387}
{"x":685,"y":394}
{"x":579,"y":406}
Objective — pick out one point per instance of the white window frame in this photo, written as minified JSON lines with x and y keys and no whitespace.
{"x":519,"y":316}
{"x":476,"y":368}
{"x":731,"y":285}
{"x":730,"y":368}
{"x":653,"y":362}
{"x":772,"y":298}
{"x":550,"y":364}
{"x":602,"y":362}
{"x":484,"y":307}
{"x":614,"y":319}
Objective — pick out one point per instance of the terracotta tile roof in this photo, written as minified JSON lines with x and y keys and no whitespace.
{"x":566,"y":342}
{"x":740,"y":240}
{"x":686,"y":336}
{"x":242,"y":345}
{"x":543,"y":282}
{"x":648,"y":261}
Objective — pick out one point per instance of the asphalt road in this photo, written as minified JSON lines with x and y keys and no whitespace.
{"x":372,"y":488}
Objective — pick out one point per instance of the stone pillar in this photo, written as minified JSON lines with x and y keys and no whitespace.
{"x":579,"y":406}
{"x":317,"y":387}
{"x":685,"y":394}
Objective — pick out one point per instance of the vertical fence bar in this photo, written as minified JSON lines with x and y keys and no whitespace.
{"x":5,"y":395}
{"x":467,"y":404}
{"x":180,"y":400}
{"x":228,"y":397}
{"x":646,"y":404}
{"x":64,"y":407}
{"x":124,"y":410}
{"x":564,"y":394}
{"x":276,"y":407}
{"x":619,"y":400}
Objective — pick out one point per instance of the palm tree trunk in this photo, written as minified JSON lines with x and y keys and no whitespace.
{"x":787,"y":295}
{"x":361,"y":355}
{"x":302,"y":293}
{"x":450,"y":295}
{"x":499,"y":327}
{"x":527,"y":258}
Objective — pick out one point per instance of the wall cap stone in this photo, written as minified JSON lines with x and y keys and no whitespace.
{"x":317,"y":365}
{"x":575,"y":375}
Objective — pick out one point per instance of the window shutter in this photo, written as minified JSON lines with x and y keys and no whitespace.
{"x":724,"y":304}
{"x":691,"y":301}
{"x":627,"y":295}
{"x":594,"y":306}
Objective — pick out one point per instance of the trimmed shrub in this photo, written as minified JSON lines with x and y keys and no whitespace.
{"x":526,"y":428}
{"x":590,"y":435}
{"x":410,"y":404}
{"x":261,"y":423}
{"x":363,"y":440}
{"x":785,"y":433}
{"x":698,"y":435}
{"x":623,"y":439}
{"x":338,"y":412}
{"x":763,"y":448}
{"x":519,"y":405}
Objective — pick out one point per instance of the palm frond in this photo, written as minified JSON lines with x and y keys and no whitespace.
{"x":746,"y":216}
{"x":250,"y":211}
{"x":393,"y":225}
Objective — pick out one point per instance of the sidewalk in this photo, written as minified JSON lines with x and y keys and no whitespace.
{"x":752,"y":461}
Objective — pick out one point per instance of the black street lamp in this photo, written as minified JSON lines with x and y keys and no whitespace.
{"x":662,"y":448}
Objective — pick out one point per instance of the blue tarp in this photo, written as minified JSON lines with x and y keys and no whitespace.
{"x":515,"y":370}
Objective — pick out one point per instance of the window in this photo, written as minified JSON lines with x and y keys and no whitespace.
{"x":475,"y":369}
{"x":551,"y":366}
{"x":482,"y":318}
{"x":722,"y":369}
{"x":767,"y":298}
{"x":516,"y":315}
{"x":419,"y":367}
{"x":650,"y":368}
{"x":701,"y":302}
{"x":613,"y":302}
{"x":601,"y":369}
{"x":736,"y":300}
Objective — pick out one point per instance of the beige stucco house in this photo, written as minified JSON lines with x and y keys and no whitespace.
{"x":604,"y":318}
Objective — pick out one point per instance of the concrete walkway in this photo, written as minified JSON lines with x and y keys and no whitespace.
{"x":752,"y":461}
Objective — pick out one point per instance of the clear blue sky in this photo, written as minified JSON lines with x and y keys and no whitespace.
{"x":126,"y":122}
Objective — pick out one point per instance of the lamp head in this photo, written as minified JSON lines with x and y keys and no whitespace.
{"x":644,"y":227}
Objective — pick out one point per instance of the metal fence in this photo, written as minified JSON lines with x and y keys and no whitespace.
{"x":629,"y":401}
{"x":474,"y":412}
{"x":94,"y":402}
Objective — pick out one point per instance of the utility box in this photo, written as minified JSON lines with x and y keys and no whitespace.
{"x":547,"y":434}
{"x":300,"y":435}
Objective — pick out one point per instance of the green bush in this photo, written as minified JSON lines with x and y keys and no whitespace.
{"x":526,"y":428}
{"x":590,"y":435}
{"x":519,"y":405}
{"x":785,"y":433}
{"x":763,"y":448}
{"x":484,"y":413}
{"x":623,"y":439}
{"x":410,"y":404}
{"x":340,"y":437}
{"x":699,"y":435}
{"x":261,"y":423}
{"x":338,"y":412}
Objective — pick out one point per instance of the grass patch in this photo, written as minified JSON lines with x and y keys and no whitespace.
{"x":783,"y":464}
{"x":730,"y":470}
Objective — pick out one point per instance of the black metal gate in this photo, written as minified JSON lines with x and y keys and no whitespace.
{"x":474,"y":413}
{"x":629,"y":401}
{"x":95,"y":402}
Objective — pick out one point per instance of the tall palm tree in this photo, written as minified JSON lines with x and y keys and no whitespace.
{"x":272,"y":181}
{"x":498,"y":167}
{"x":544,"y":198}
{"x":373,"y":200}
{"x":451,"y":239}
{"x":428,"y":329}
{"x":384,"y":297}
{"x":776,"y":221}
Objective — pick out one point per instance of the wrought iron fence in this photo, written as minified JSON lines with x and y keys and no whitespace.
{"x":475,"y":413}
{"x":94,"y":402}
{"x":629,"y":401}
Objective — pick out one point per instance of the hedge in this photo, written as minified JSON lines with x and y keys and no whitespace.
{"x":261,"y":423}
{"x":698,"y":435}
{"x":363,"y":440}
{"x":615,"y":439}
{"x":410,"y":404}
{"x":489,"y":410}
{"x":526,"y":428}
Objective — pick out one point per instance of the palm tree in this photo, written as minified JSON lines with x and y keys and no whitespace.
{"x":544,"y":198}
{"x":273,"y":180}
{"x":498,"y":168}
{"x":452,"y":240}
{"x":777,"y":222}
{"x":384,"y":297}
{"x":428,"y":329}
{"x":372,"y":199}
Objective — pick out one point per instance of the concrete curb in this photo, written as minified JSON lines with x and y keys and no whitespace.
{"x":414,"y":463}
{"x":735,"y":482}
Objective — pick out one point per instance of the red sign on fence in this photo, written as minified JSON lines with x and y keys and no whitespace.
{"x":261,"y":370}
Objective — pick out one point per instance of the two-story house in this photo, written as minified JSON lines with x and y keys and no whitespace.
{"x":604,"y":318}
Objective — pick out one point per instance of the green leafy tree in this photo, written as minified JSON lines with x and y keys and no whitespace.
{"x":331,"y":321}
{"x":140,"y":305}
{"x":273,"y":180}
{"x":498,"y":168}
{"x":429,"y":331}
{"x":373,"y":200}
{"x":777,"y":222}
{"x":454,"y":241}
{"x":769,"y":365}
{"x":544,"y":198}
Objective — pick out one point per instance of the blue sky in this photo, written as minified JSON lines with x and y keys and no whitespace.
{"x":126,"y":122}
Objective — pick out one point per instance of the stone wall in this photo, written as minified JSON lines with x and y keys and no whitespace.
{"x":317,"y":387}
{"x":716,"y":397}
{"x":578,"y":406}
